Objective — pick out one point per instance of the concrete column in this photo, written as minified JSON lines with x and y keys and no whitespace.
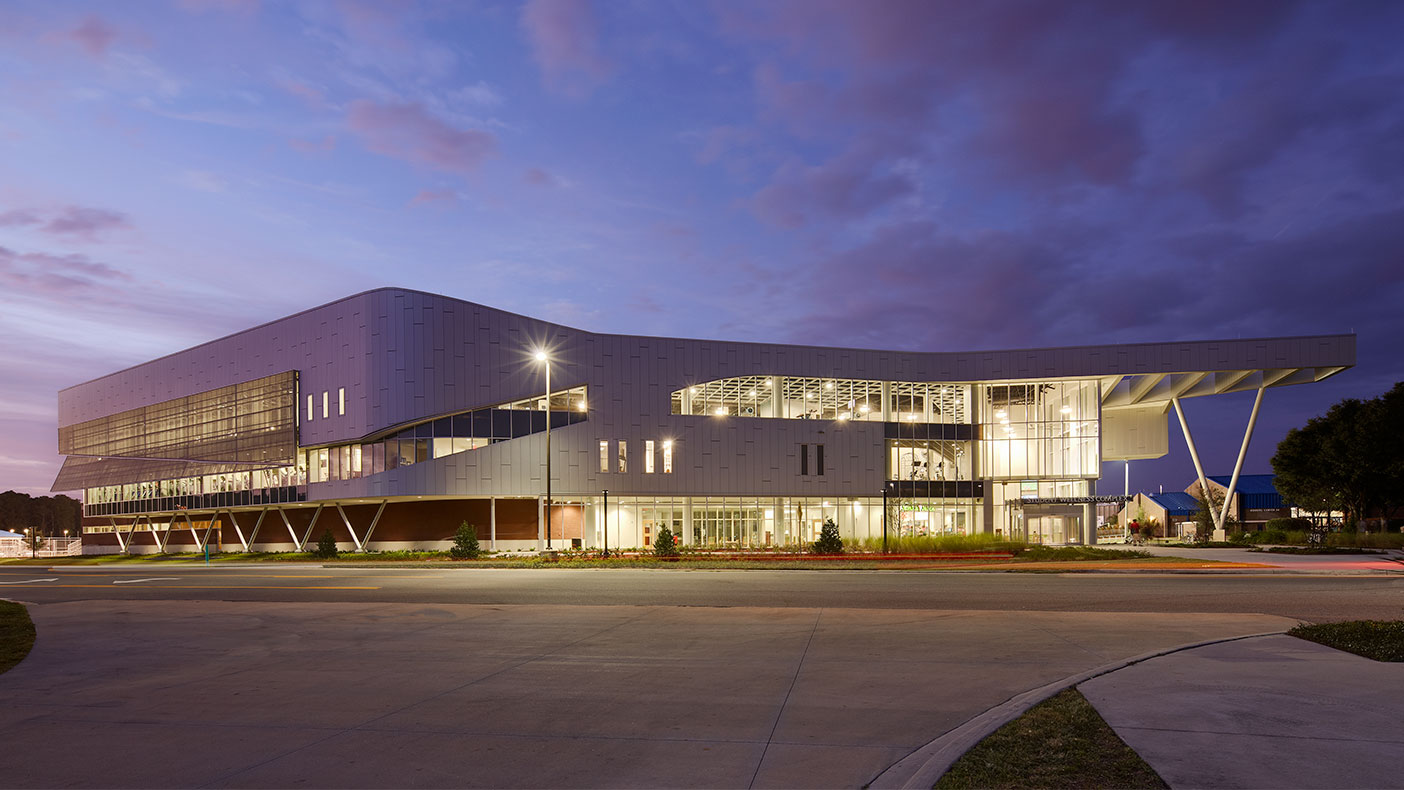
{"x":540,"y":523}
{"x":777,"y":405}
{"x":687,"y":519}
{"x":1089,"y":524}
{"x":687,"y":400}
{"x":886,"y":401}
{"x":987,"y":517}
{"x":492,"y":523}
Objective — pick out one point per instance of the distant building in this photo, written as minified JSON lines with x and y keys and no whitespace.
{"x":392,"y":416}
{"x":1255,"y":500}
{"x":1172,"y":512}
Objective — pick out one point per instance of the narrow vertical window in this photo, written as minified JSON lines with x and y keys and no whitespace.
{"x":804,"y":459}
{"x":819,"y":458}
{"x":326,"y":412}
{"x":648,"y":456}
{"x":667,"y":458}
{"x":604,"y":456}
{"x":623,"y":456}
{"x":309,"y":408}
{"x":340,"y":401}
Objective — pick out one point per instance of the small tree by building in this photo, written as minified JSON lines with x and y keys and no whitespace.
{"x":465,"y":543}
{"x":1210,"y":503}
{"x":665,"y":545}
{"x":326,"y":546}
{"x":829,"y":541}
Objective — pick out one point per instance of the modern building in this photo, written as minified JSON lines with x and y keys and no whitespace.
{"x":393,"y":416}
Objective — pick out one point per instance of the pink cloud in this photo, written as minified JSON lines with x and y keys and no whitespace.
{"x":53,"y":275}
{"x":538,"y":177}
{"x":322,"y":146}
{"x":311,"y":96}
{"x":409,"y":132}
{"x":18,"y":217}
{"x":85,"y":223}
{"x":848,"y":186}
{"x":565,"y":43}
{"x":94,"y":36}
{"x":431,"y":196}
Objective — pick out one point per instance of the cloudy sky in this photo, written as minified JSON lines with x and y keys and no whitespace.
{"x":906,"y":175}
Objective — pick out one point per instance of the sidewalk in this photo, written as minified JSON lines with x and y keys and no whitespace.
{"x":1264,"y":712}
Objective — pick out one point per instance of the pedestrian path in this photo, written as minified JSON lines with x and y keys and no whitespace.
{"x":1264,"y":712}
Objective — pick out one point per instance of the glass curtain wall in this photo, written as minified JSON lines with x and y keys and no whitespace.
{"x":800,"y":398}
{"x":1039,"y":430}
{"x":751,"y":523}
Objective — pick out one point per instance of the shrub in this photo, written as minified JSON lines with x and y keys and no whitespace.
{"x":829,"y":541}
{"x":326,"y":546}
{"x":1241,"y":538}
{"x":465,"y":543}
{"x":665,"y":545}
{"x":1286,"y":524}
{"x":943,"y":544}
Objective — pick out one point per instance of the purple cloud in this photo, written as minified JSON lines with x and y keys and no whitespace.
{"x":539,"y":178}
{"x":85,"y":223}
{"x":431,"y":196}
{"x":55,"y":275}
{"x":407,"y":131}
{"x":852,"y":184}
{"x":94,"y":36}
{"x":565,"y":44}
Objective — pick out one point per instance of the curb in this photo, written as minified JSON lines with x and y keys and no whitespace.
{"x":923,"y":767}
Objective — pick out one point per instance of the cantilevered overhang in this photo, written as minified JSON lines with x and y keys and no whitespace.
{"x":1145,"y":390}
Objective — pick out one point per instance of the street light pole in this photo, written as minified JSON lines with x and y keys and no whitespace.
{"x":606,"y":522}
{"x":543,"y":358}
{"x":884,"y":518}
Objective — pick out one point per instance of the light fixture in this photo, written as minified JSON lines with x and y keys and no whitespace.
{"x":1066,"y":410}
{"x":829,"y":386}
{"x":863,"y":409}
{"x":845,"y":416}
{"x":751,"y":394}
{"x":769,"y":383}
{"x":540,"y":356}
{"x":721,"y":411}
{"x":1004,"y":422}
{"x":809,"y":395}
{"x":1001,"y":413}
{"x":667,"y":444}
{"x":694,"y":390}
{"x":581,"y":406}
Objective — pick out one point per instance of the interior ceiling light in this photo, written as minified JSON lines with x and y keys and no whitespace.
{"x":864,"y":408}
{"x":1001,"y":413}
{"x":829,"y":386}
{"x":768,"y":382}
{"x":721,"y":410}
{"x":809,"y":395}
{"x":667,"y":444}
{"x":1066,"y":410}
{"x":694,"y":390}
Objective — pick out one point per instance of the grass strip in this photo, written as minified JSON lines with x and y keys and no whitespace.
{"x":1315,"y":550}
{"x":16,"y":634}
{"x":1061,"y":742}
{"x":1381,"y":640}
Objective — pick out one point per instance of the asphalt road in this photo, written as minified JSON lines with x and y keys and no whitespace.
{"x":1301,"y":596}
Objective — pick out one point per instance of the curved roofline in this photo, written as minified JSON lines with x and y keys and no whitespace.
{"x":397,"y":289}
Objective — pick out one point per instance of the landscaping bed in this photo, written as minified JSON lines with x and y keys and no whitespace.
{"x":1061,"y":742}
{"x":1381,"y":640}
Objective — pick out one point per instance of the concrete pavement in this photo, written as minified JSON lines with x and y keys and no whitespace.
{"x":1266,"y":712}
{"x":127,"y":693}
{"x":1388,"y":561}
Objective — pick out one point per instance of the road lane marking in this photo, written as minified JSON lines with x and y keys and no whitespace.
{"x":217,"y":587}
{"x":155,"y":579}
{"x":31,"y":581}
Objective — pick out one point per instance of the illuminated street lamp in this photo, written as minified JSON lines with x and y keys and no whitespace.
{"x":544,"y":359}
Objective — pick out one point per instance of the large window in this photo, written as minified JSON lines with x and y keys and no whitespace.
{"x":921,"y":459}
{"x":798,"y":398}
{"x":1043,"y":429}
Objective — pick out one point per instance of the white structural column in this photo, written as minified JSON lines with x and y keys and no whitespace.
{"x":1237,"y":467}
{"x":1220,"y":516}
{"x":492,"y":523}
{"x":354,"y":540}
{"x":1089,"y":517}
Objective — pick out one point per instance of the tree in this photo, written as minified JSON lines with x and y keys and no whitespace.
{"x":1349,"y":459}
{"x":1211,"y":503}
{"x":326,"y":546}
{"x":665,"y":545}
{"x":465,"y":543}
{"x":829,"y":541}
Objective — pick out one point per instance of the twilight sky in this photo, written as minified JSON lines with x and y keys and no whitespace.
{"x":905,"y":175}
